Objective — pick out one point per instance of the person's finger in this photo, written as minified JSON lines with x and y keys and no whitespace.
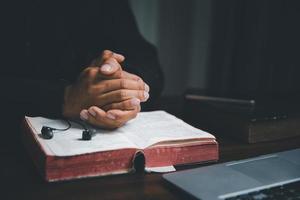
{"x":106,"y":54}
{"x":121,"y":95}
{"x":131,"y":76}
{"x":109,"y":120}
{"x":119,"y":57}
{"x":122,"y":74}
{"x":97,"y":117}
{"x":116,"y":84}
{"x":89,"y":74}
{"x":124,"y":116}
{"x":129,"y":104}
{"x":110,"y":66}
{"x":84,"y":115}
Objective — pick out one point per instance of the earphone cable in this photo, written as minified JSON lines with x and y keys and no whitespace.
{"x":64,"y":129}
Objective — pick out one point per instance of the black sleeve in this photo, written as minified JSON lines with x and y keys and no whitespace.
{"x":141,"y":56}
{"x":44,"y":96}
{"x":32,"y":97}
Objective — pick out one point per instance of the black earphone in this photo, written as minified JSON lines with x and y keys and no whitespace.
{"x":48,"y":132}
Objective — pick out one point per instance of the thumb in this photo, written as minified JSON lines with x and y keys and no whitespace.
{"x":120,"y":58}
{"x":105,"y":56}
{"x":110,"y":67}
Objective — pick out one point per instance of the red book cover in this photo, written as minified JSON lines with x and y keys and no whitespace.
{"x":161,"y":138}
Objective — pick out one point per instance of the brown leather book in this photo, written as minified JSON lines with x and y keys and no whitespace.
{"x":251,"y":119}
{"x":163,"y":140}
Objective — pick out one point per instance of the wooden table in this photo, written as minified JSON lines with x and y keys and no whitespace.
{"x":20,"y":180}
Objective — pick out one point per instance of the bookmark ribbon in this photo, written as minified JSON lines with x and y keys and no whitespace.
{"x":160,"y":169}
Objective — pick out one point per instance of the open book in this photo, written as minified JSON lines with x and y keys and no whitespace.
{"x":161,"y":138}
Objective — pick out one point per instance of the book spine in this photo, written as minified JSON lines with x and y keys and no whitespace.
{"x":90,"y":165}
{"x":166,"y":156}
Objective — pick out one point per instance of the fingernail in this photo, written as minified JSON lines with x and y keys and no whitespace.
{"x":146,"y":95}
{"x":110,"y":116}
{"x":106,"y":68}
{"x":83,"y":115}
{"x":92,"y":112}
{"x":147,"y":88}
{"x":117,"y":54}
{"x":135,"y":102}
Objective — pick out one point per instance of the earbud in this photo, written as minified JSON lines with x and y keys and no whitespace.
{"x":47,"y":132}
{"x":87,"y":135}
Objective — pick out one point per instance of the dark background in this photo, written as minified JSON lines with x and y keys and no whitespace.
{"x":250,"y":46}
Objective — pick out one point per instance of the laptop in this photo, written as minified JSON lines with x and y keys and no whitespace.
{"x":272,"y":176}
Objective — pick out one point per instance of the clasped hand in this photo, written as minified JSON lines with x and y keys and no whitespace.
{"x":105,"y":95}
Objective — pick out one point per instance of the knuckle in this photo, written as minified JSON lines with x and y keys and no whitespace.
{"x":140,"y":80}
{"x":90,"y":71}
{"x":137,"y":78}
{"x":141,"y":95}
{"x":127,"y":104}
{"x":123,"y":105}
{"x":119,"y":74}
{"x":105,"y":85}
{"x":106,"y":54}
{"x":141,"y":85}
{"x":123,"y":83}
{"x":122,"y":94}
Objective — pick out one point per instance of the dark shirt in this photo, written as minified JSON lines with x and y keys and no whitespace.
{"x":46,"y":44}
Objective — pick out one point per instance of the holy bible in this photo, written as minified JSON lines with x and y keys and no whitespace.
{"x":162,"y":139}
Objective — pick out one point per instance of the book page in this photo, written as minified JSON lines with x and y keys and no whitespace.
{"x":158,"y":126}
{"x":69,"y":143}
{"x":146,"y":129}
